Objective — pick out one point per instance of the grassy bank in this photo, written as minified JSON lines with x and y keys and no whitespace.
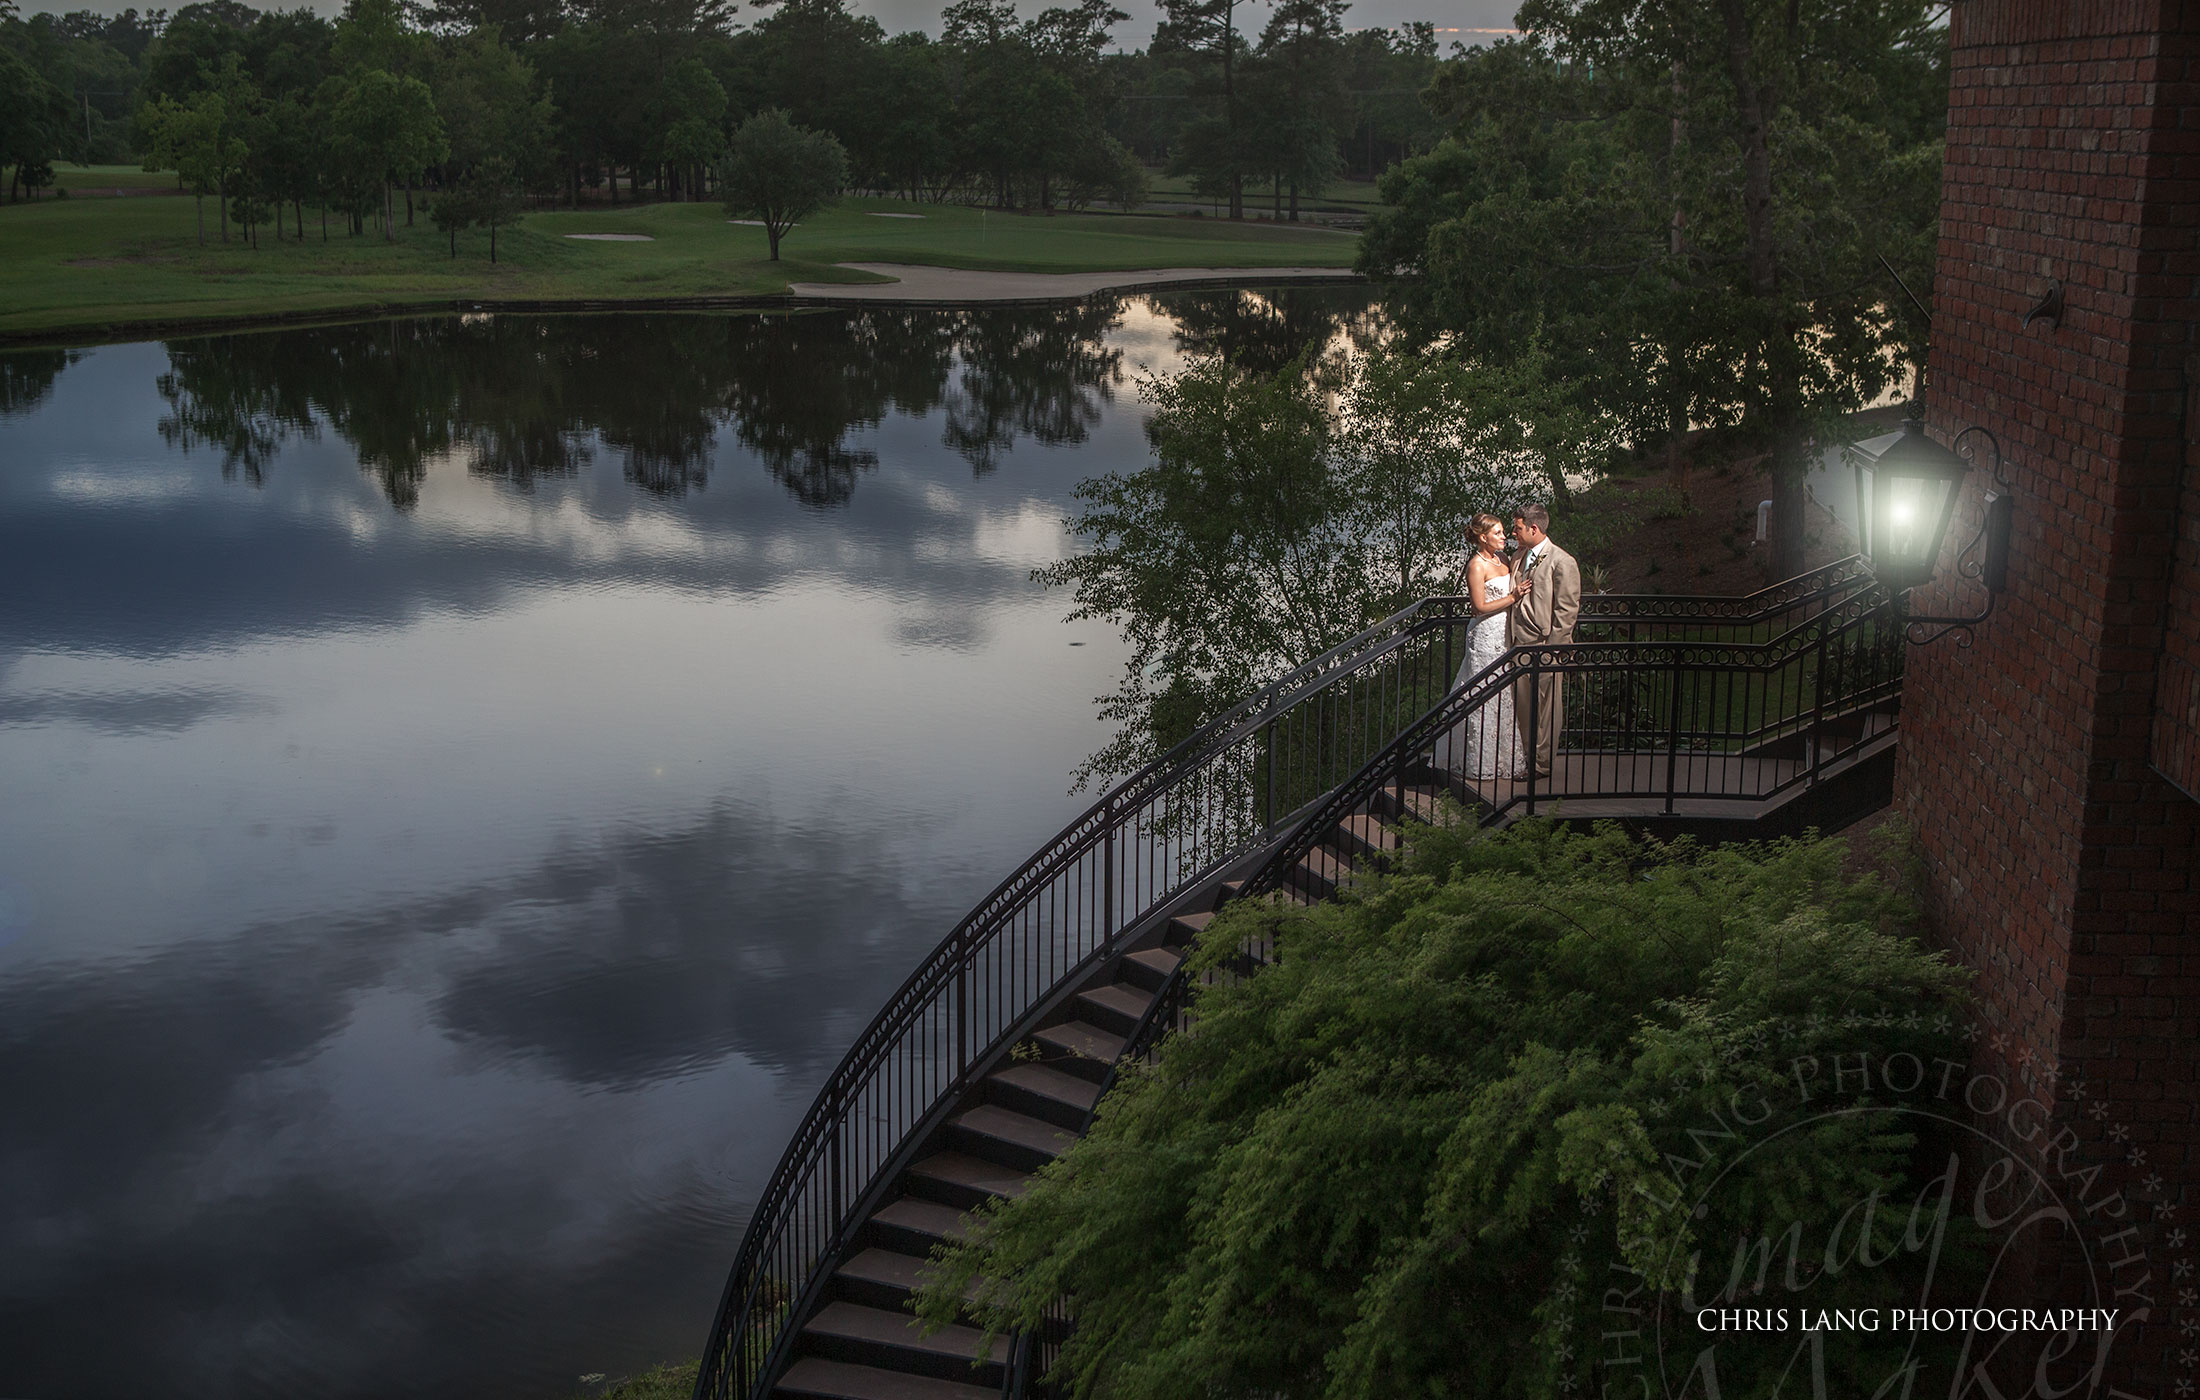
{"x":89,"y":263}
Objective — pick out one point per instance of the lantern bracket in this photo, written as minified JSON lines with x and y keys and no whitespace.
{"x":1990,"y":567}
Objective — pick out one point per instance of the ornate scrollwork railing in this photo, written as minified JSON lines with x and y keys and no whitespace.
{"x":1824,"y":688}
{"x":1215,"y":798}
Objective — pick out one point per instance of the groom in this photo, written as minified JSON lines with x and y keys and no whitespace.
{"x":1545,"y":617}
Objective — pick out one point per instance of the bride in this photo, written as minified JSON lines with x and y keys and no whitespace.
{"x":1484,"y":746}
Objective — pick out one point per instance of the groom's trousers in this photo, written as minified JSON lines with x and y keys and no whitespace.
{"x":1539,"y":696}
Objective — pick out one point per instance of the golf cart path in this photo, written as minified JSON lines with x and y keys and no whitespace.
{"x":914,"y":283}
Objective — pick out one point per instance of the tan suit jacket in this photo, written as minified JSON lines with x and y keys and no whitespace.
{"x":1547,"y":615}
{"x":1544,"y":618}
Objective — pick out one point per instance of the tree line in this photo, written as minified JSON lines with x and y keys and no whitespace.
{"x":494,"y":104}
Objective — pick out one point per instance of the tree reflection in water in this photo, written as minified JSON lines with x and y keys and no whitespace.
{"x":27,"y":376}
{"x":522,"y":398}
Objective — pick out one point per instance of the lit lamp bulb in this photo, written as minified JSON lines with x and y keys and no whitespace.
{"x":1901,"y":524}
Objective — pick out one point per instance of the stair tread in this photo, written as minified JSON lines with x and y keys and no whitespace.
{"x":1008,"y":1125}
{"x":1161,"y":960}
{"x":1121,"y":998}
{"x":894,"y":1270}
{"x":842,"y":1380}
{"x":1418,"y":800}
{"x":924,"y":1217}
{"x":1080,"y":1094}
{"x":859,"y":1323}
{"x":1196,"y":922}
{"x":1325,"y":863}
{"x":1373,"y":830}
{"x":975,"y":1173}
{"x":1081,"y":1039}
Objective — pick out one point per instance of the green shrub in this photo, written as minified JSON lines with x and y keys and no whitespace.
{"x":1418,"y":1154}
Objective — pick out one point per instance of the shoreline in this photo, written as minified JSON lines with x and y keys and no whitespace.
{"x":925,"y":284}
{"x":936,"y":287}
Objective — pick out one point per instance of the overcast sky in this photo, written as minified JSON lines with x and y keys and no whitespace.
{"x":1470,"y":21}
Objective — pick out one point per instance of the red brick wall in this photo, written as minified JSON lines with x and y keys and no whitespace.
{"x":2063,"y":867}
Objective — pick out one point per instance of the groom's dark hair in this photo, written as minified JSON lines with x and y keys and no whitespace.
{"x":1534,"y":515}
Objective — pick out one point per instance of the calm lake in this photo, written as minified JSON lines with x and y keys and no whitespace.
{"x":464,"y":781}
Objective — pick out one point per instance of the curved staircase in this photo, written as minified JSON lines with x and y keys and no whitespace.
{"x":996,"y":1052}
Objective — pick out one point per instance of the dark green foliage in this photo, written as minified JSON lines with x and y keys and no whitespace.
{"x":779,"y":173}
{"x":1287,"y":508}
{"x":1685,"y":206}
{"x":1409,"y":1158}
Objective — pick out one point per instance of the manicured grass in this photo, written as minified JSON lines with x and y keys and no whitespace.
{"x":1345,"y":194}
{"x":95,"y":179}
{"x":86,"y":264}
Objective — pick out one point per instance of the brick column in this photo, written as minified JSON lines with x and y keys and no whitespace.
{"x":2064,"y":866}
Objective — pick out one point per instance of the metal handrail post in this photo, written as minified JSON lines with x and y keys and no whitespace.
{"x":1818,"y":715}
{"x":1673,"y":734}
{"x":1535,"y":716}
{"x":1107,"y":878}
{"x":1268,"y":803}
{"x":833,"y":1163}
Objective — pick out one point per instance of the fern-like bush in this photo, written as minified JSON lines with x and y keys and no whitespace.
{"x":1525,"y":1093}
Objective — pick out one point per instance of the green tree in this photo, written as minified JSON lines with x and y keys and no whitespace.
{"x":1284,"y":510}
{"x":385,"y":129}
{"x":916,"y":147}
{"x":286,"y":158}
{"x":692,"y":115}
{"x":491,"y":192}
{"x":500,"y":124}
{"x":1296,"y":99}
{"x":1687,"y":203}
{"x":202,"y":141}
{"x":33,"y":116}
{"x":780,"y":173}
{"x":1386,"y":72}
{"x":1212,"y":147}
{"x":1410,"y":1157}
{"x":452,"y":211}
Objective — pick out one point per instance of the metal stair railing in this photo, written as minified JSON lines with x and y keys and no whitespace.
{"x":1214,"y":798}
{"x":1845,"y":661}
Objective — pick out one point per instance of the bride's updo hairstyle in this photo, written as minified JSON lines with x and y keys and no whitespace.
{"x":1480,"y":526}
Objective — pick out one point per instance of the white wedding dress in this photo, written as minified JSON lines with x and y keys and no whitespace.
{"x":1485,"y":745}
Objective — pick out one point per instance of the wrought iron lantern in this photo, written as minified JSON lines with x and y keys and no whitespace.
{"x":1905,"y":496}
{"x":1907,"y":486}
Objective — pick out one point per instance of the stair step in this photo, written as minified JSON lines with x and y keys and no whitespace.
{"x":1420,"y":803}
{"x":922,"y":1217}
{"x":1087,"y":1042}
{"x":1116,"y":1006}
{"x":1186,"y":927}
{"x":815,"y":1378}
{"x":1077,"y":1095}
{"x":1162,"y":963}
{"x":1369,"y":833}
{"x":880,"y":1327}
{"x":972,"y":1178}
{"x":1322,"y":870}
{"x":890,"y":1270}
{"x":1014,"y":1130}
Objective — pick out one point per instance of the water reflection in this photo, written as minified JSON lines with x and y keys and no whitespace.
{"x":522,"y":398}
{"x":27,"y":375}
{"x":467,"y":780}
